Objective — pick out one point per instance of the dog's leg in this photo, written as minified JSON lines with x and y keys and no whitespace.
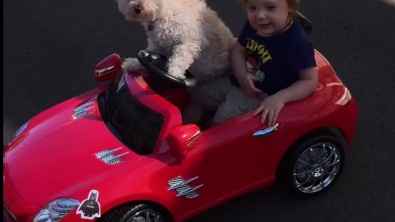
{"x":182,"y":57}
{"x":133,"y":64}
{"x":153,"y":46}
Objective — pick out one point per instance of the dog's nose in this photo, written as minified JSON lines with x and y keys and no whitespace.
{"x":138,"y":9}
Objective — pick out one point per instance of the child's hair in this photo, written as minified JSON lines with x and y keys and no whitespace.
{"x":293,"y":4}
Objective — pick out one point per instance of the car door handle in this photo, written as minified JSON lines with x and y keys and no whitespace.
{"x":265,"y":132}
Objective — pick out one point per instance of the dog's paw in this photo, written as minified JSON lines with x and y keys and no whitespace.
{"x":176,"y":72}
{"x":131,"y":64}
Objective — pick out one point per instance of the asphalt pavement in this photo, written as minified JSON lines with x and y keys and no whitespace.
{"x":51,"y":47}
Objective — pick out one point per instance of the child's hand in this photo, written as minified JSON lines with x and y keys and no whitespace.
{"x":247,"y":84}
{"x":270,"y":107}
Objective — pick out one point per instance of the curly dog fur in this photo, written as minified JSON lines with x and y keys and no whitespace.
{"x":188,"y":32}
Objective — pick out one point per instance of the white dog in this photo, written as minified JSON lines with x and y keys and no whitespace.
{"x":188,"y":32}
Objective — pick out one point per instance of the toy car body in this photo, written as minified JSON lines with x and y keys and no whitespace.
{"x":121,"y":152}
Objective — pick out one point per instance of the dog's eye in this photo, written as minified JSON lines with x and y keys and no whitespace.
{"x":138,"y":9}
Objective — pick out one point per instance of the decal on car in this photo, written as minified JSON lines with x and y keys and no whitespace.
{"x":90,"y":207}
{"x":183,"y":188}
{"x":82,"y":110}
{"x":109,"y":156}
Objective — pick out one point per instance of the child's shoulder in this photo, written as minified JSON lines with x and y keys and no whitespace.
{"x":297,"y":37}
{"x":299,"y":46}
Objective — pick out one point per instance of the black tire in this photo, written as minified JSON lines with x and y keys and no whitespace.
{"x":126,"y":213}
{"x":317,"y":169}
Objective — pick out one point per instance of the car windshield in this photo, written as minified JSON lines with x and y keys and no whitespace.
{"x":134,"y":124}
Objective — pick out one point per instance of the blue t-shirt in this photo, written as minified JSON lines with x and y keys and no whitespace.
{"x":276,"y":60}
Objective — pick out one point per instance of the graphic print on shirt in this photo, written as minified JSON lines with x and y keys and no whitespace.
{"x":256,"y":55}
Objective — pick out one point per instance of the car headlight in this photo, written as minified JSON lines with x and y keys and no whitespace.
{"x":56,"y":210}
{"x":21,"y":129}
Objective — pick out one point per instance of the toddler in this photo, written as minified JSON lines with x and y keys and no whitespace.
{"x":273,"y":64}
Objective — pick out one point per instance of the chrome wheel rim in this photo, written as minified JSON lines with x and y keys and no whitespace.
{"x":317,"y":167}
{"x":146,"y":216}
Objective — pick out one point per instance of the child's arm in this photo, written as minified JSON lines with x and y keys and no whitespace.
{"x":237,"y":58}
{"x":307,"y":83}
{"x":271,"y":106}
{"x":245,"y":79}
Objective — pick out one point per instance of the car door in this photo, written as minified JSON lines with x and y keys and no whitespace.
{"x":236,"y":158}
{"x":228,"y":161}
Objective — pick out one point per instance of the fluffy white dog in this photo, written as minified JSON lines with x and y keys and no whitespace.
{"x":188,"y":32}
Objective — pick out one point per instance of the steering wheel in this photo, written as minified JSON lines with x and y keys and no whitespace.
{"x":155,"y":64}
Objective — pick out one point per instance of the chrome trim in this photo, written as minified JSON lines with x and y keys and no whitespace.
{"x":82,"y":110}
{"x":109,"y":157}
{"x":183,"y":188}
{"x":265,"y":132}
{"x":182,"y":183}
{"x":190,"y":190}
{"x":193,"y":139}
{"x":198,"y":133}
{"x":147,"y":215}
{"x":102,"y":71}
{"x":317,"y":167}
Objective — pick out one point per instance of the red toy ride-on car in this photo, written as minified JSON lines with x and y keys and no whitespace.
{"x":120,"y":152}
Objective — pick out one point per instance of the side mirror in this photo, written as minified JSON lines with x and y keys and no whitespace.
{"x":183,"y":139}
{"x":108,"y":68}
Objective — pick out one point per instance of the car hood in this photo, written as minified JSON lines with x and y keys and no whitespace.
{"x":59,"y":153}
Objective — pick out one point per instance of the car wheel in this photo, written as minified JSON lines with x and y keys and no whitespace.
{"x":312,"y":166}
{"x":136,"y":213}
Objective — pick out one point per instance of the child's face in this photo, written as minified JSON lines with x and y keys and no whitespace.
{"x":268,"y":17}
